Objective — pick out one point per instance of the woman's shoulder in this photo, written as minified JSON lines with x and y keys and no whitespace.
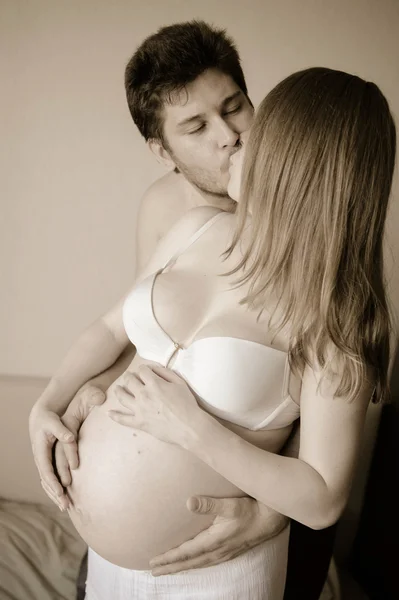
{"x":180,"y":233}
{"x":191,"y":222}
{"x":198,"y":216}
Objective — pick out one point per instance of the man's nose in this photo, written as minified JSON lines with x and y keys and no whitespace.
{"x":227,"y":136}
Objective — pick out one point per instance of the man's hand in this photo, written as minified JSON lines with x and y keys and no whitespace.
{"x":47,"y":428}
{"x":66,"y":457}
{"x":239,"y":524}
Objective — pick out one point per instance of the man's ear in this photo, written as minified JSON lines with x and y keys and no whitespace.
{"x":162,"y":155}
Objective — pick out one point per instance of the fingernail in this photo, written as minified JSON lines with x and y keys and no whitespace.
{"x":194,"y":504}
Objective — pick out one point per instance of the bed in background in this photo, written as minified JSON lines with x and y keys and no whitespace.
{"x":40,"y":550}
{"x":41,"y":554}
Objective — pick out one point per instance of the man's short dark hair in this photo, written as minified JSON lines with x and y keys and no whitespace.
{"x":169,"y":60}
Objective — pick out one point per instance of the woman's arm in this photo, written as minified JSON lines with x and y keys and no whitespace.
{"x":312,"y":489}
{"x":291,"y":446}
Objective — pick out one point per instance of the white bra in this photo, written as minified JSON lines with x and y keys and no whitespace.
{"x":238,"y":380}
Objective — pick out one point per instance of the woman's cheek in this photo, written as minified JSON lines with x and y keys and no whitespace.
{"x":234,"y":183}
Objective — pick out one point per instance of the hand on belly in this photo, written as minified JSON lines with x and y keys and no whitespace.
{"x":129,"y":493}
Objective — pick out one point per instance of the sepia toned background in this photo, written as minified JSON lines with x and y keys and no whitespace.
{"x":73,"y":167}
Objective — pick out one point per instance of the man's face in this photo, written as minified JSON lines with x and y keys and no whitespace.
{"x":202,"y":129}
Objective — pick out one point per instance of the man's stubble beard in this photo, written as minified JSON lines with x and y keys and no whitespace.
{"x":216,"y":195}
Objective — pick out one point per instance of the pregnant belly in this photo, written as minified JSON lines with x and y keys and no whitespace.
{"x":129,"y":493}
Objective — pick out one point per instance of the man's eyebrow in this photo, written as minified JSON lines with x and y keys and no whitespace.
{"x":190,"y":120}
{"x":201,"y":116}
{"x":234,"y":96}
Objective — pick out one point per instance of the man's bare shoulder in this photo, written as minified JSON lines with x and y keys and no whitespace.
{"x":170,"y":182}
{"x":163,"y":204}
{"x":168,"y":198}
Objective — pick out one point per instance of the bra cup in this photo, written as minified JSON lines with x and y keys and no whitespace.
{"x":141,"y":327}
{"x":238,"y":380}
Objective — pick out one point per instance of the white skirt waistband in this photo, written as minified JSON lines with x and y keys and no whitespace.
{"x":258,"y":574}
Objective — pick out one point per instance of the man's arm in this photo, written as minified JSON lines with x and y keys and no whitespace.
{"x":239,"y":524}
{"x":159,"y":211}
{"x":105,"y":379}
{"x":151,"y":226}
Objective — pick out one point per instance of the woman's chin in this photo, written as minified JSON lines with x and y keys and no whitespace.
{"x":232,"y":192}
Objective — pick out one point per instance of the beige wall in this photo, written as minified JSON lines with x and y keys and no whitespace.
{"x":74,"y":166}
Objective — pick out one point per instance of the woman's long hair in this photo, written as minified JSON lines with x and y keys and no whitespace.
{"x":316,"y":179}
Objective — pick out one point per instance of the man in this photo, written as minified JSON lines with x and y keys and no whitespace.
{"x":187,"y":95}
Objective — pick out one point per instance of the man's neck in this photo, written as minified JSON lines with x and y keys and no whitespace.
{"x":199,"y":197}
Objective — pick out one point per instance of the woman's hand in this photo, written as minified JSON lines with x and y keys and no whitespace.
{"x":239,"y":524}
{"x":159,"y":402}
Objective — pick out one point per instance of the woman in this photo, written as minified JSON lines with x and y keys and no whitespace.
{"x":255,"y":314}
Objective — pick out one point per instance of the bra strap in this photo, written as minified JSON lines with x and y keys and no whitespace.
{"x":192,"y":239}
